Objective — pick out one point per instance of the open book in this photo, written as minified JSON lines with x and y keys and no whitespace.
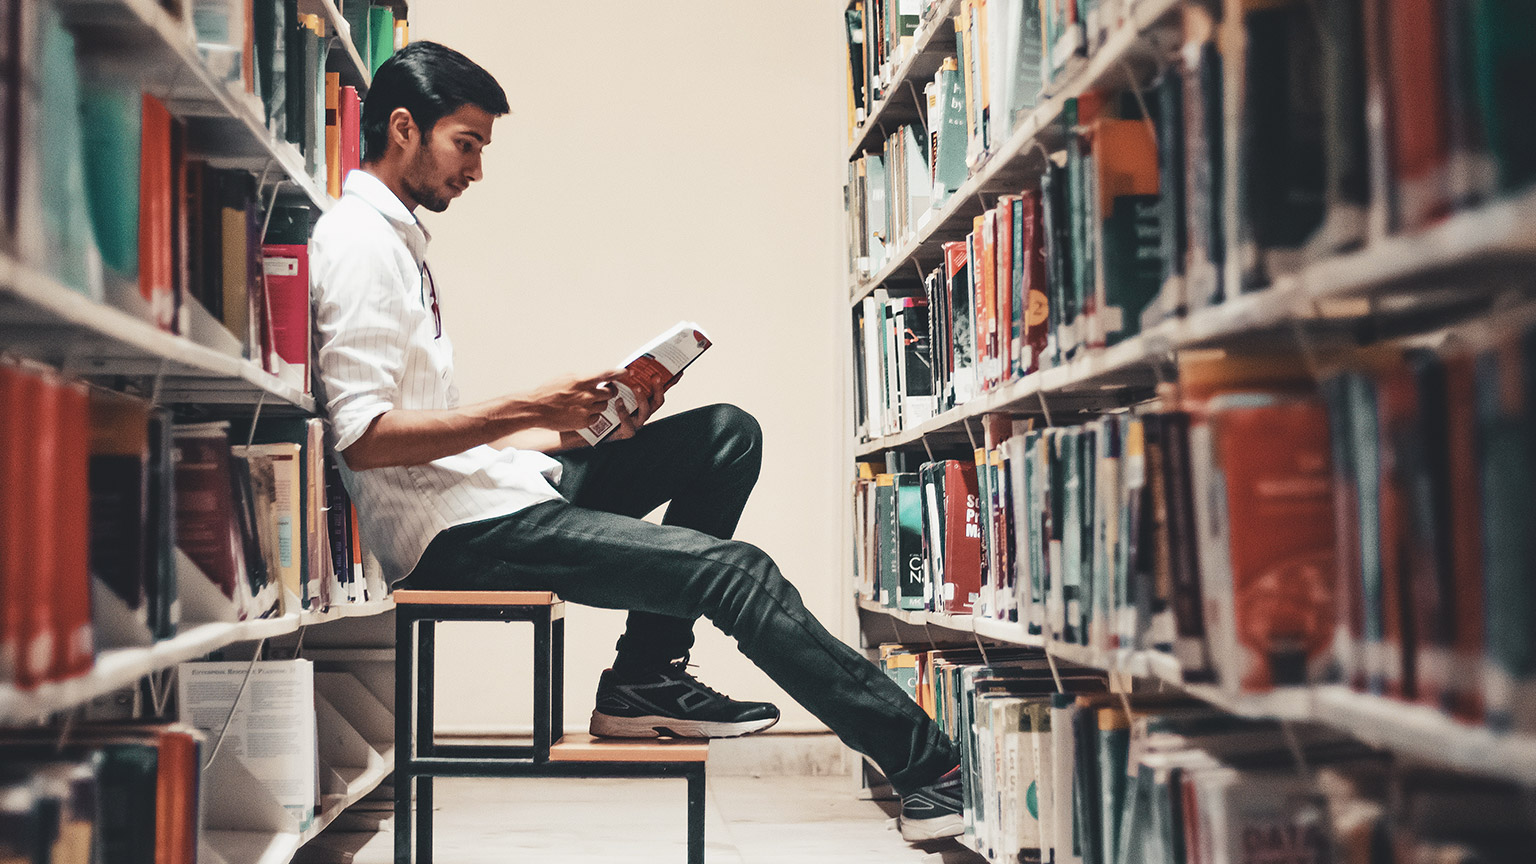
{"x":652,"y":369}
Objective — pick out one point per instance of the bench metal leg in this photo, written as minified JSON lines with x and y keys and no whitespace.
{"x":541,"y":688}
{"x":424,"y":820}
{"x":557,"y":678}
{"x":696,"y":815}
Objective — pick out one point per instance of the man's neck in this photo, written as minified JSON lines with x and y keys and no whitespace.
{"x":391,"y":181}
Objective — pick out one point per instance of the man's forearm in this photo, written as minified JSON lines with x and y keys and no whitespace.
{"x":416,"y":437}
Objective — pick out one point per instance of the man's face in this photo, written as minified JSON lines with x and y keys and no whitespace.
{"x":445,"y":162}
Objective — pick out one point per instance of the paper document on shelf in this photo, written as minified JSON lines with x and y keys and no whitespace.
{"x":272,"y":732}
{"x":652,"y":369}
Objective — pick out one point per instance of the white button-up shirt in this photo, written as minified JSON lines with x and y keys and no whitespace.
{"x":379,"y":347}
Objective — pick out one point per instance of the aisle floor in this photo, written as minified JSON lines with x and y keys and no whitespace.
{"x":768,"y":820}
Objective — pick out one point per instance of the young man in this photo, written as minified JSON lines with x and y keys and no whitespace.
{"x":443,"y":508}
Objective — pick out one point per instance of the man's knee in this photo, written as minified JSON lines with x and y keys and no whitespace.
{"x":737,"y":433}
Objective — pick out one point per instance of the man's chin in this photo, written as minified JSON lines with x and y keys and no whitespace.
{"x":436,"y":205}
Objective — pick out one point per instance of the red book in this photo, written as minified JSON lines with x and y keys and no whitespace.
{"x":954,"y":262}
{"x":351,"y":110}
{"x":205,"y":505}
{"x":1036,"y":300}
{"x":285,"y":267}
{"x":985,"y":279}
{"x":18,"y":393}
{"x":1419,"y":120}
{"x":1275,"y":458}
{"x":157,"y":267}
{"x":74,"y":645}
{"x":176,"y":797}
{"x":962,"y":538}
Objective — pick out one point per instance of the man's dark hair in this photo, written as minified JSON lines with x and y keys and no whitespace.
{"x":430,"y":81}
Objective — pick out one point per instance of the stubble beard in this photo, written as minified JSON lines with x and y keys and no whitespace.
{"x":417,"y":182}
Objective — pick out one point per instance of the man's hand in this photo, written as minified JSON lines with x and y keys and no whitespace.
{"x":645,"y":407}
{"x":568,"y":404}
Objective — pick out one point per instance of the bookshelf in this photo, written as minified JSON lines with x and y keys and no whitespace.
{"x":202,"y":373}
{"x":1458,"y":272}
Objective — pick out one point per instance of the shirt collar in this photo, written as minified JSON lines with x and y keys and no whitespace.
{"x":372,"y":191}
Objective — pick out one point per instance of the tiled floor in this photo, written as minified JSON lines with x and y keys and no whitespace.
{"x":769,"y":820}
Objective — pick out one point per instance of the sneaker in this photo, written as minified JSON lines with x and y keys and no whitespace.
{"x":670,"y":701}
{"x":933,"y":811}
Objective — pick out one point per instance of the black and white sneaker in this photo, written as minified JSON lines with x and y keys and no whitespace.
{"x":933,"y":811}
{"x":669,"y":701}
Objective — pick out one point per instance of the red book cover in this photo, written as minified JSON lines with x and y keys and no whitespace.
{"x":1037,"y":304}
{"x":1466,"y":527}
{"x":74,"y":646}
{"x":1276,"y":461}
{"x":954,"y":262}
{"x":19,"y":392}
{"x":285,"y":267}
{"x":156,"y":231}
{"x":351,"y":110}
{"x":1005,"y":287}
{"x":1419,"y":121}
{"x":205,"y":505}
{"x":176,"y":797}
{"x":962,"y":538}
{"x":39,"y":403}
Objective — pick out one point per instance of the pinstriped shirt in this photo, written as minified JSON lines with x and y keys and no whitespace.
{"x":380,"y":346}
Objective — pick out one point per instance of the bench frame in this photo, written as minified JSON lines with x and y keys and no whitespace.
{"x":418,"y":756}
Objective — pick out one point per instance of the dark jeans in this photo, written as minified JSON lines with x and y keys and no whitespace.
{"x":594,"y":549}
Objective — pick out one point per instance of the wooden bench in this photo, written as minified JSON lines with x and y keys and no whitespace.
{"x":419,"y":757}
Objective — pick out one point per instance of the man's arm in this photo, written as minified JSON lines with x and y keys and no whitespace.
{"x":415,"y":437}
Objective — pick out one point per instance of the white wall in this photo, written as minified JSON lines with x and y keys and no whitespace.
{"x":663,"y":161}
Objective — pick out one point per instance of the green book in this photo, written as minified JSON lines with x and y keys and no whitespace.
{"x":909,"y":540}
{"x":62,"y":244}
{"x":885,"y":545}
{"x":381,"y":36}
{"x":1072,"y":479}
{"x":356,"y":14}
{"x":949,"y":162}
{"x":126,"y":776}
{"x":1503,"y":67}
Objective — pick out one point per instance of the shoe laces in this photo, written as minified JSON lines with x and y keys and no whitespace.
{"x":680,"y":668}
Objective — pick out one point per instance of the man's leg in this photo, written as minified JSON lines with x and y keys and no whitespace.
{"x":612,"y":561}
{"x":705,"y":463}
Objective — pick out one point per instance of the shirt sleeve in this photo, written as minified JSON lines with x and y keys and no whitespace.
{"x":361,"y":331}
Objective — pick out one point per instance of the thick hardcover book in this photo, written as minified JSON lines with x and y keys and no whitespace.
{"x":1280,"y":166}
{"x":1416,"y":86}
{"x":962,"y":539}
{"x":206,"y":529}
{"x":984,"y":275}
{"x":291,"y":44}
{"x":119,"y":484}
{"x":949,"y":171}
{"x":1275,"y":580}
{"x":1346,"y":184}
{"x":1007,"y":336}
{"x":350,"y":109}
{"x":285,"y":272}
{"x":160,"y":529}
{"x":1425,"y":451}
{"x":1503,"y":66}
{"x":1189,"y":644}
{"x":1057,"y":235}
{"x":1349,"y":620}
{"x":333,"y":134}
{"x":1128,"y":270}
{"x":909,"y":542}
{"x":381,"y":36}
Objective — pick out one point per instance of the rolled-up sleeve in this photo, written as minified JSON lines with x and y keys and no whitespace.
{"x":361,"y":330}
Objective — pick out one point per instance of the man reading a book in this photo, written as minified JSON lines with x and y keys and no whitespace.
{"x":444,"y":506}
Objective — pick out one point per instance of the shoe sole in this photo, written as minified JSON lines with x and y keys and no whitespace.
{"x":937,"y":828}
{"x":609,"y":726}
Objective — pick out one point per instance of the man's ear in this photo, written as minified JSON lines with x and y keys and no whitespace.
{"x":402,"y":127}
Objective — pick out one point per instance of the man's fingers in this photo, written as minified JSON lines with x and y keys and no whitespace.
{"x":600,"y":378}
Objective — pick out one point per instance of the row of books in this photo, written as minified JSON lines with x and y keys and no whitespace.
{"x":111,"y":793}
{"x":1056,"y":769}
{"x":136,"y":524}
{"x":1260,"y":527}
{"x":880,"y":37}
{"x":1155,"y":207}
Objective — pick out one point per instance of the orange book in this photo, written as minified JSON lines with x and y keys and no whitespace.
{"x":1419,"y":119}
{"x":985,"y":279}
{"x":176,"y":811}
{"x":1005,"y":288}
{"x":1125,"y":166}
{"x":248,"y":58}
{"x":357,"y":547}
{"x":156,"y":230}
{"x":333,"y":134}
{"x":39,"y":403}
{"x":1275,"y":456}
{"x":74,"y":646}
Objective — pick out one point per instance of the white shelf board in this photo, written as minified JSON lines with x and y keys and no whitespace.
{"x":118,"y":668}
{"x":162,"y":52}
{"x":53,"y":323}
{"x":357,"y":789}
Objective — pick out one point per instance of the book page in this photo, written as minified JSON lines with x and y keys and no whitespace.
{"x":651,"y":371}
